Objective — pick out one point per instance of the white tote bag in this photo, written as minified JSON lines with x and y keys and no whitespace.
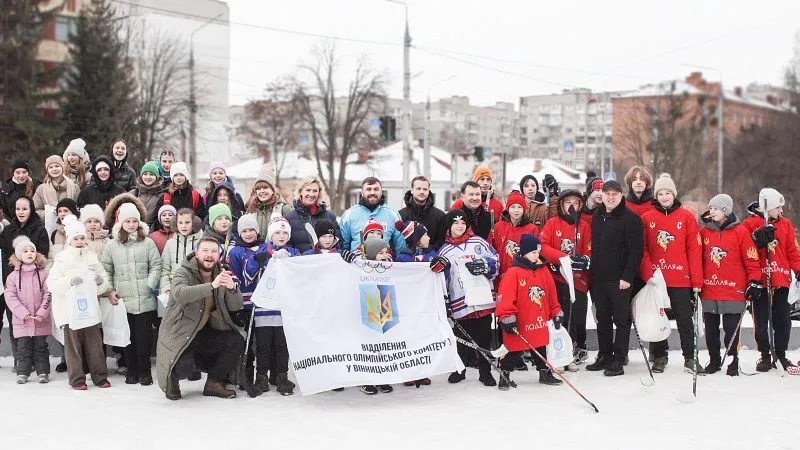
{"x":84,"y":307}
{"x":115,"y":324}
{"x":50,"y":219}
{"x":161,"y":304}
{"x":565,"y":267}
{"x":648,"y":310}
{"x":477,"y":288}
{"x":559,"y":349}
{"x":266,"y":293}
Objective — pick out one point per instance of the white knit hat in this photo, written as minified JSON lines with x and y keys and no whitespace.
{"x":20,"y":243}
{"x":128,"y":211}
{"x":77,"y":146}
{"x":774,"y":199}
{"x":248,"y":222}
{"x":179,"y":168}
{"x":278,"y":223}
{"x":664,"y":182}
{"x":73,"y":228}
{"x":92,"y":211}
{"x":216,"y":165}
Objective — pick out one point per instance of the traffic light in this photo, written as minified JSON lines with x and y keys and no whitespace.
{"x":388,"y":128}
{"x":478,"y":153}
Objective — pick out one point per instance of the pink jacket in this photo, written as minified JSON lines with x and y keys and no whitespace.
{"x":27,"y":294}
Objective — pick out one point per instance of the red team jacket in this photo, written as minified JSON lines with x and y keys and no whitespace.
{"x":640,"y":207}
{"x":531,"y":295}
{"x":558,"y":239}
{"x":505,"y":239}
{"x":784,"y":253}
{"x":730,"y":260}
{"x":672,"y":243}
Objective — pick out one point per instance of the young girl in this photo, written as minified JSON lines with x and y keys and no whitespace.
{"x":178,"y":247}
{"x":133,"y":264}
{"x":216,"y":177}
{"x":180,"y":193}
{"x":84,"y":347}
{"x":28,"y":299}
{"x":477,"y":257}
{"x":219,"y":221}
{"x":56,"y":186}
{"x":165,"y":228}
{"x":102,"y":188}
{"x":125,"y":175}
{"x":58,"y":239}
{"x":538,"y":208}
{"x":326,"y":235}
{"x":225,"y":194}
{"x":149,"y":190}
{"x":269,"y":337}
{"x":526,"y":300}
{"x":96,"y":237}
{"x":266,"y":202}
{"x":507,"y":233}
{"x":76,"y":163}
{"x":165,"y":161}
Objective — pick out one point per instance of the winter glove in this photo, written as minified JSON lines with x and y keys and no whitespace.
{"x":242,"y":317}
{"x":754,"y":290}
{"x":508,"y":323}
{"x":558,"y":319}
{"x":261,"y":257}
{"x":280,"y":254}
{"x":477,"y":267}
{"x":551,"y":185}
{"x":75,"y":281}
{"x":440,"y":264}
{"x":348,"y":256}
{"x":580,"y":263}
{"x":763,"y":236}
{"x":98,"y":279}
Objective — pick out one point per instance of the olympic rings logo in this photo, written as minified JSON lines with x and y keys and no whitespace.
{"x":372,"y":266}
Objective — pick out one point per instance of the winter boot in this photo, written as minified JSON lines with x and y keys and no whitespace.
{"x":715,"y":365}
{"x":424,"y":382}
{"x":22,"y":379}
{"x":273,"y":378}
{"x":765,"y":363}
{"x":456,"y":377}
{"x":173,"y":391}
{"x":261,"y":384}
{"x":217,"y":389}
{"x":44,"y":378}
{"x":690,"y":365}
{"x":487,"y":379}
{"x":61,"y":367}
{"x":146,"y":379}
{"x":571,"y":367}
{"x":733,"y":368}
{"x":580,"y":355}
{"x":410,"y":383}
{"x":626,"y":360}
{"x":195,"y":376}
{"x":503,"y":385}
{"x":546,"y":377}
{"x":385,"y":388}
{"x":521,"y":366}
{"x":131,"y":378}
{"x":601,"y":363}
{"x":659,"y":364}
{"x":369,"y":389}
{"x":285,"y":387}
{"x":614,"y":369}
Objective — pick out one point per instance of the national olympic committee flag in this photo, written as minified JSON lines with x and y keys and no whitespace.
{"x":368,"y":322}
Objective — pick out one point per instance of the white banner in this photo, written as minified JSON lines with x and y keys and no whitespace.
{"x":367,"y":322}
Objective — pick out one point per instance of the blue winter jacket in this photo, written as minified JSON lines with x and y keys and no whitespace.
{"x":419,"y":255}
{"x":355,"y":218}
{"x":252,"y":274}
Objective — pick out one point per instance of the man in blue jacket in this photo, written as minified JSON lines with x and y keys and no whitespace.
{"x":370,"y":206}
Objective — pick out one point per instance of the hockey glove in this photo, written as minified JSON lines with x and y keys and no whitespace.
{"x":580,"y":263}
{"x":763,"y":236}
{"x":348,"y":256}
{"x":551,"y":185}
{"x":440,"y":264}
{"x":754,"y":291}
{"x":508,"y":323}
{"x":76,"y":281}
{"x":558,"y":319}
{"x":477,"y":267}
{"x":261,"y":257}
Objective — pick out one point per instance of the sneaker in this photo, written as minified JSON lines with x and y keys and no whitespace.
{"x":690,"y":365}
{"x":788,"y":366}
{"x":44,"y":378}
{"x":503,"y":385}
{"x":733,"y":368}
{"x":546,"y":377}
{"x":571,"y":367}
{"x":424,"y":382}
{"x":146,"y":380}
{"x":601,"y":363}
{"x":659,"y":364}
{"x":614,"y":369}
{"x":714,"y":366}
{"x":521,"y":366}
{"x":457,"y":377}
{"x":61,"y":367}
{"x":131,"y":379}
{"x":580,"y":355}
{"x":121,"y":370}
{"x":285,"y":387}
{"x":369,"y":389}
{"x":104,"y":384}
{"x":385,"y":388}
{"x":764,"y":363}
{"x":487,"y":379}
{"x":80,"y":387}
{"x":22,"y":379}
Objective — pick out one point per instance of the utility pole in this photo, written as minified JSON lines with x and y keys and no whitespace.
{"x":720,"y":134}
{"x":426,"y":160}
{"x":406,"y":119}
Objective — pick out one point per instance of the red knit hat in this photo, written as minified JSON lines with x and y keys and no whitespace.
{"x":372,"y":225}
{"x":515,"y":198}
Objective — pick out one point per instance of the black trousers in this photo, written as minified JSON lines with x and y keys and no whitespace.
{"x":576,"y":318}
{"x":781,"y":321}
{"x":137,"y":353}
{"x":32,"y":352}
{"x":512,"y":359}
{"x":613,"y":308}
{"x":212,"y":351}
{"x":10,"y":328}
{"x":272,"y":353}
{"x":729,"y":322}
{"x":682,"y":308}
{"x":480,"y":330}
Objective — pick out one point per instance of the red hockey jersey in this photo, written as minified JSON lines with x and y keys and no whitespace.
{"x":672,"y":244}
{"x":730,"y":260}
{"x":783,"y":251}
{"x":640,"y":206}
{"x":530,"y":293}
{"x":506,"y":238}
{"x":558,"y":240}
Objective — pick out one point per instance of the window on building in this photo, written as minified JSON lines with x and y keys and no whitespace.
{"x":535,"y":130}
{"x":542,"y":141}
{"x":568,"y":130}
{"x":591,"y":139}
{"x":65,"y":26}
{"x":523,"y":141}
{"x":580,"y":139}
{"x":523,"y":130}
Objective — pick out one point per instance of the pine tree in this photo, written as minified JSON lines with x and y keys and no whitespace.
{"x":99,"y":87}
{"x":24,"y":129}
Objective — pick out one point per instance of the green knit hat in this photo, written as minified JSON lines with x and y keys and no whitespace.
{"x":217,"y":211}
{"x":152,"y":167}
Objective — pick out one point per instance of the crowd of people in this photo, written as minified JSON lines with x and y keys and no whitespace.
{"x":96,"y":228}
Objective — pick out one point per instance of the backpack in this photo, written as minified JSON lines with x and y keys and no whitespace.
{"x":195,"y":198}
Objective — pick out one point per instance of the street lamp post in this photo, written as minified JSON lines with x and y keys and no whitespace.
{"x":406,"y":122}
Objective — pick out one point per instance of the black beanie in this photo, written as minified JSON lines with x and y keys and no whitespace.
{"x":323,"y":227}
{"x":452,"y":215}
{"x":528,"y":243}
{"x":21,"y":164}
{"x":68,"y":203}
{"x":525,"y":180}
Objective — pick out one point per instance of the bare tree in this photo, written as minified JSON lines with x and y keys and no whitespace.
{"x":271,"y":126}
{"x":337,"y":120}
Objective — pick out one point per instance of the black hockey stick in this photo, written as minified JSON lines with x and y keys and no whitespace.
{"x":693,"y":397}
{"x":645,"y":381}
{"x":771,"y":328}
{"x":484,"y":355}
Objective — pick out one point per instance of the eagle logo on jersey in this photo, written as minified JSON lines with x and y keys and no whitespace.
{"x":717,"y":254}
{"x":663,"y":238}
{"x":567,"y":245}
{"x":511,"y":248}
{"x":536,"y":294}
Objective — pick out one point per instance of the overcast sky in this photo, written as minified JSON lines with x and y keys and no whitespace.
{"x":521,"y":47}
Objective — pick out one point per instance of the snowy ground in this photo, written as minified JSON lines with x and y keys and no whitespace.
{"x":758,"y":412}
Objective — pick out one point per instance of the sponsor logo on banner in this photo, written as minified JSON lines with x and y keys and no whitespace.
{"x":378,"y":307}
{"x":271,"y":283}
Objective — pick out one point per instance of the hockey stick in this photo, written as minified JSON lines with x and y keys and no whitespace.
{"x":560,"y":375}
{"x":252,"y":392}
{"x":477,"y":347}
{"x":644,"y":380}
{"x":499,"y":353}
{"x":310,"y":230}
{"x":771,"y":329}
{"x":693,"y":398}
{"x":735,"y":335}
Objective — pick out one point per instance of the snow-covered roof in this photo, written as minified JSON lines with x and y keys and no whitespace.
{"x":665,"y":88}
{"x":566,"y":177}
